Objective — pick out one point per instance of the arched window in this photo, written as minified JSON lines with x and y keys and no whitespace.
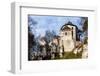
{"x":65,"y":33}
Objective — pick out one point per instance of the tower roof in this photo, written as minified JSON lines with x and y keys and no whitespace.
{"x":65,"y":26}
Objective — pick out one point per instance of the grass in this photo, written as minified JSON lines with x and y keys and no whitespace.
{"x":70,"y":55}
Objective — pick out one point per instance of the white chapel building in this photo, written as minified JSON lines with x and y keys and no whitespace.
{"x":68,"y":37}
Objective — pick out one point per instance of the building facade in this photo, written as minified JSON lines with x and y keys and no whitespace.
{"x":68,"y":37}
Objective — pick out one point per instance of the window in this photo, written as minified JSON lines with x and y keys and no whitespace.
{"x":65,"y":33}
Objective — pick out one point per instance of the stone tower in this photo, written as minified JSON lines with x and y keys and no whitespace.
{"x":68,"y":37}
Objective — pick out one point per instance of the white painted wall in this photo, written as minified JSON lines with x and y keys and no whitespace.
{"x":67,"y":40}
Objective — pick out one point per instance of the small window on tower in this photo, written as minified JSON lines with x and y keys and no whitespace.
{"x":65,"y":33}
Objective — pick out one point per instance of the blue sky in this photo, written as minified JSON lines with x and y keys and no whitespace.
{"x":52,"y":23}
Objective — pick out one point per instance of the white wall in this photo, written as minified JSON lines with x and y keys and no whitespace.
{"x":5,"y":33}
